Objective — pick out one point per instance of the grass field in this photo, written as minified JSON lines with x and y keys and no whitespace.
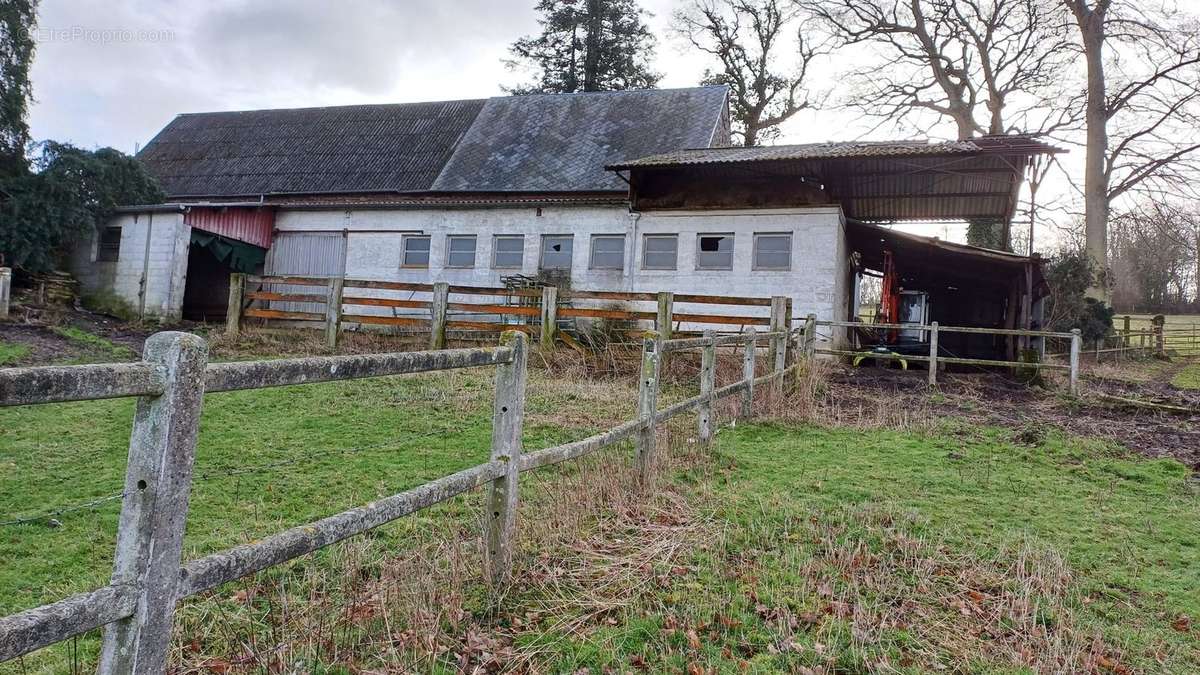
{"x":1189,"y":377}
{"x":10,"y":353}
{"x":780,"y":550}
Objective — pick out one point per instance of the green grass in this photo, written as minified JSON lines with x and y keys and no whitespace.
{"x":11,"y":353}
{"x":791,"y":521}
{"x":1188,"y":378}
{"x":791,"y":501}
{"x":99,"y":348}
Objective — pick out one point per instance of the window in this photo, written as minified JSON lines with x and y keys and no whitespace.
{"x":608,"y":252}
{"x":460,"y":250}
{"x":109,"y":247}
{"x":714,"y":252}
{"x":556,"y":252}
{"x":660,"y":251}
{"x":773,"y":251}
{"x":509,"y":251}
{"x":416,"y":251}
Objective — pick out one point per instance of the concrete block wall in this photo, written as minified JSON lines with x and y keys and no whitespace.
{"x":816,"y":281}
{"x":153,"y":256}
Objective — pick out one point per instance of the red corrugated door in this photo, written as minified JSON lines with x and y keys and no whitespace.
{"x":252,"y":225}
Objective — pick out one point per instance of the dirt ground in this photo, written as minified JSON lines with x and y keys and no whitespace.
{"x":49,"y":347}
{"x":990,"y":398}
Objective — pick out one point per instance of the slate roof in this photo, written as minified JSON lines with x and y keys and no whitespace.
{"x":562,"y":142}
{"x":538,"y":143}
{"x":832,"y":150}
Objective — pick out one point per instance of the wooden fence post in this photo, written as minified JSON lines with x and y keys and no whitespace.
{"x":5,"y":290}
{"x":508,"y":416}
{"x":779,"y":343}
{"x":158,"y":481}
{"x":748,"y":372}
{"x":666,"y":310}
{"x":933,"y":353}
{"x":648,"y":406}
{"x":333,"y":311}
{"x":1076,"y":345}
{"x":549,"y":316}
{"x":437,"y":325}
{"x":810,"y":336}
{"x":708,"y":380}
{"x":1125,"y":326}
{"x":237,"y":294}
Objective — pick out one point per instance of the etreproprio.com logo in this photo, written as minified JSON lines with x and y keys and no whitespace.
{"x":102,"y":35}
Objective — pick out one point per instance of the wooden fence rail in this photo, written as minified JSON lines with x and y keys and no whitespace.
{"x":136,"y":609}
{"x":541,"y":309}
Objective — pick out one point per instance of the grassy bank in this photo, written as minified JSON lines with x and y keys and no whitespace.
{"x":1188,"y":378}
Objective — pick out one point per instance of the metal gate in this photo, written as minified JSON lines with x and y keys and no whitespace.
{"x":305,"y":254}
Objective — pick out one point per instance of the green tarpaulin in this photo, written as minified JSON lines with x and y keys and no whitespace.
{"x":238,"y":255}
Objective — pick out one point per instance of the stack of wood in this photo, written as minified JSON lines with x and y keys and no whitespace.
{"x":53,"y":288}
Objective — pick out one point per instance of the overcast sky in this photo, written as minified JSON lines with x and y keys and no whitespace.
{"x":114,"y":73}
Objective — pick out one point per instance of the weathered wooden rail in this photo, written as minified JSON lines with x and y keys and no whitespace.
{"x":136,"y":608}
{"x":344,"y":301}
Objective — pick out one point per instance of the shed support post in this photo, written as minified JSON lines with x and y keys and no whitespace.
{"x":507,"y":420}
{"x":549,"y":316}
{"x":237,"y":294}
{"x":748,"y":372}
{"x":158,"y":481}
{"x":5,"y":290}
{"x":708,"y":379}
{"x":779,"y":342}
{"x":933,"y":353}
{"x":437,"y":326}
{"x":648,"y":406}
{"x":1076,"y":346}
{"x":333,"y":311}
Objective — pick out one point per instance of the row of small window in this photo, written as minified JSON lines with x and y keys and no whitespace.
{"x":772,"y":251}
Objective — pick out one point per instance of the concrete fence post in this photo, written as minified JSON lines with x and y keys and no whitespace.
{"x":1160,"y":339}
{"x":333,"y":311}
{"x":237,"y":294}
{"x":549,"y":316}
{"x":708,"y":381}
{"x":748,"y":372}
{"x":158,"y":482}
{"x":437,"y":325}
{"x":648,"y":406}
{"x":507,"y":420}
{"x":933,"y":353}
{"x":1076,"y":346}
{"x":5,"y":290}
{"x":666,"y":311}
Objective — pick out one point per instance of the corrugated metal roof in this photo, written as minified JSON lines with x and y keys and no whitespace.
{"x":834,"y":150}
{"x":561,"y":142}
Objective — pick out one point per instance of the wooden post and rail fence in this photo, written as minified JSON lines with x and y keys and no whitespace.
{"x":136,"y":609}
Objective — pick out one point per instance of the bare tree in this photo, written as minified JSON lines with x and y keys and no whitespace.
{"x":1142,"y":109}
{"x":1152,"y":255}
{"x":987,"y":66}
{"x":749,"y":39}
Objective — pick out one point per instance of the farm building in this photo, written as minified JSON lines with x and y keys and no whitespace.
{"x":626,"y":191}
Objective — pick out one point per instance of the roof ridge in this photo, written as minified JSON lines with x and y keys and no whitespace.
{"x":333,"y":107}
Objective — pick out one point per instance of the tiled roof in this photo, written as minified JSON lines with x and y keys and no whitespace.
{"x":308,"y":150}
{"x":544,"y":143}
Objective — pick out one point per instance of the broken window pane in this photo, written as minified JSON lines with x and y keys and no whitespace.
{"x":660,"y":251}
{"x":608,"y":252}
{"x":416,"y":252}
{"x":460,"y":251}
{"x":510,"y":250}
{"x":556,"y":252}
{"x":715,"y":252}
{"x":772,"y":251}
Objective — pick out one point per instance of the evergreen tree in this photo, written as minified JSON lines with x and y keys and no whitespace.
{"x":587,"y":45}
{"x":17,"y":20}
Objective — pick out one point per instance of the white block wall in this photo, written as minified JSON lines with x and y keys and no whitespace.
{"x":816,"y":281}
{"x":153,"y":256}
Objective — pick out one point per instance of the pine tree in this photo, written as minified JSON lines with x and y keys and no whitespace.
{"x":17,"y":20}
{"x":587,"y":45}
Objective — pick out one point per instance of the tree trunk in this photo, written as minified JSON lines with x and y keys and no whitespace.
{"x":591,"y":56}
{"x":1197,"y":299}
{"x":1095,"y":177}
